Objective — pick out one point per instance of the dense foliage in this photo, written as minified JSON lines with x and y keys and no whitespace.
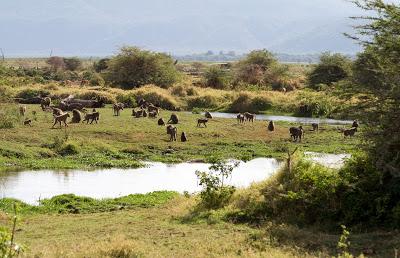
{"x":134,"y":67}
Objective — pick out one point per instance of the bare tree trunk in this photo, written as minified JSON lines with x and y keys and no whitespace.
{"x":289,"y":160}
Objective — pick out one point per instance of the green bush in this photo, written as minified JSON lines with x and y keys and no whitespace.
{"x":206,"y":101}
{"x":32,"y":93}
{"x":73,"y":63}
{"x":8,"y":116}
{"x":68,"y":149}
{"x":245,"y":102}
{"x":160,"y":99}
{"x":217,"y":78}
{"x":129,"y":100}
{"x":96,"y":80}
{"x":134,"y":67}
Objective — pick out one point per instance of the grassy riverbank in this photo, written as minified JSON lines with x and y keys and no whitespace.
{"x":124,"y":141}
{"x":167,"y":230}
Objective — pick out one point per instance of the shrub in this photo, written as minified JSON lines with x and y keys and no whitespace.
{"x":134,"y":67}
{"x":8,"y":116}
{"x":128,"y":100}
{"x":72,"y":64}
{"x":215,"y":194}
{"x":158,"y":98}
{"x":108,"y":98}
{"x":246,"y":102}
{"x":101,"y":65}
{"x":179,"y":90}
{"x":32,"y":93}
{"x":217,"y":78}
{"x":96,"y":80}
{"x":205,"y":101}
{"x":68,"y":149}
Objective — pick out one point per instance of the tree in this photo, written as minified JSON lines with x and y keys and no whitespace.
{"x":72,"y":64}
{"x":217,"y":78}
{"x":331,"y":68}
{"x":134,"y":67}
{"x":56,"y":63}
{"x":101,"y":65}
{"x":253,"y":67}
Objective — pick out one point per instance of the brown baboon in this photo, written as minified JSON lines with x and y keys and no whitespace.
{"x":76,"y":116}
{"x":145,"y":114}
{"x":271,"y":126}
{"x":152,"y":114}
{"x":315,"y":126}
{"x":95,"y":116}
{"x":202,"y":121}
{"x":296,"y":133}
{"x":153,"y":108}
{"x":173,"y":119}
{"x":183,"y":137}
{"x":161,"y":121}
{"x":142,"y":103}
{"x":240,"y":118}
{"x":28,"y":122}
{"x":249,"y":117}
{"x":350,"y":132}
{"x":45,"y":103}
{"x":61,"y":118}
{"x":22,"y":110}
{"x":208,"y":115}
{"x":173,"y":132}
{"x":117,"y":108}
{"x":355,"y":124}
{"x":57,"y":112}
{"x":138,"y":113}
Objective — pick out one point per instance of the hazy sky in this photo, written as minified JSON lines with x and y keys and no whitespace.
{"x":98,"y":27}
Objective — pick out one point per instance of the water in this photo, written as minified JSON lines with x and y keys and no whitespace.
{"x":292,"y":119}
{"x":30,"y":186}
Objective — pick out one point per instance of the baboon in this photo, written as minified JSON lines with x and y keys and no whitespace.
{"x":45,"y":103}
{"x":296,"y":133}
{"x":61,"y":118}
{"x":173,"y":119}
{"x":161,"y":121}
{"x":142,"y":103}
{"x":22,"y":110}
{"x":271,"y":126}
{"x":28,"y":122}
{"x":138,"y":113}
{"x":95,"y":116}
{"x":208,"y":115}
{"x":172,"y":131}
{"x":76,"y":116}
{"x":240,"y":118}
{"x":355,"y":124}
{"x":315,"y":126}
{"x":152,"y":114}
{"x":117,"y":108}
{"x":249,"y":117}
{"x":202,"y":121}
{"x":183,"y":137}
{"x":145,"y":114}
{"x":350,"y":132}
{"x":57,"y":112}
{"x":152,"y":108}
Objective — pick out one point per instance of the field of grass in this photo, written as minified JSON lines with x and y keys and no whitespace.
{"x":169,"y":230}
{"x":124,"y":141}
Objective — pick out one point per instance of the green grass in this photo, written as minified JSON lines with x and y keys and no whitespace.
{"x":125,"y":141}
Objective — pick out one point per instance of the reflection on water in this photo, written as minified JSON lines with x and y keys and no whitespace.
{"x":302,"y":120}
{"x":30,"y":186}
{"x":328,"y":160}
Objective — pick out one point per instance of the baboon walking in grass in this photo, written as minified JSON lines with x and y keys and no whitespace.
{"x":173,"y":132}
{"x":117,"y":107}
{"x":315,"y":126}
{"x":349,"y":132}
{"x":22,"y":110}
{"x":201,"y":121}
{"x":240,"y":118}
{"x":93,"y":117}
{"x":249,"y":117}
{"x":61,"y":119}
{"x":296,"y":133}
{"x":28,"y":122}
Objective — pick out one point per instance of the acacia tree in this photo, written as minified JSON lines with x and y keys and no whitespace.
{"x":133,"y":67}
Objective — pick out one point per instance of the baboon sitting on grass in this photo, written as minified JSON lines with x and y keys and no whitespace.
{"x":271,"y":126}
{"x":173,"y":119}
{"x":28,"y":122}
{"x":161,"y":121}
{"x":76,"y":116}
{"x":173,"y":132}
{"x":183,"y":137}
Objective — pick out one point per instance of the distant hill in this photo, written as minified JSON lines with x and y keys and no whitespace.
{"x":99,"y":27}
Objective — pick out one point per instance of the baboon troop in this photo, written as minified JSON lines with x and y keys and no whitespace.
{"x":61,"y":119}
{"x":154,"y":109}
{"x":117,"y":107}
{"x":22,"y":110}
{"x":208,"y":115}
{"x":350,"y":132}
{"x":152,"y":114}
{"x":28,"y":122}
{"x":315,"y":126}
{"x":201,"y":121}
{"x":173,"y":119}
{"x":240,"y":118}
{"x":173,"y":132}
{"x":92,"y":117}
{"x":296,"y":133}
{"x":161,"y":121}
{"x":76,"y":116}
{"x":183,"y":137}
{"x":271,"y":126}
